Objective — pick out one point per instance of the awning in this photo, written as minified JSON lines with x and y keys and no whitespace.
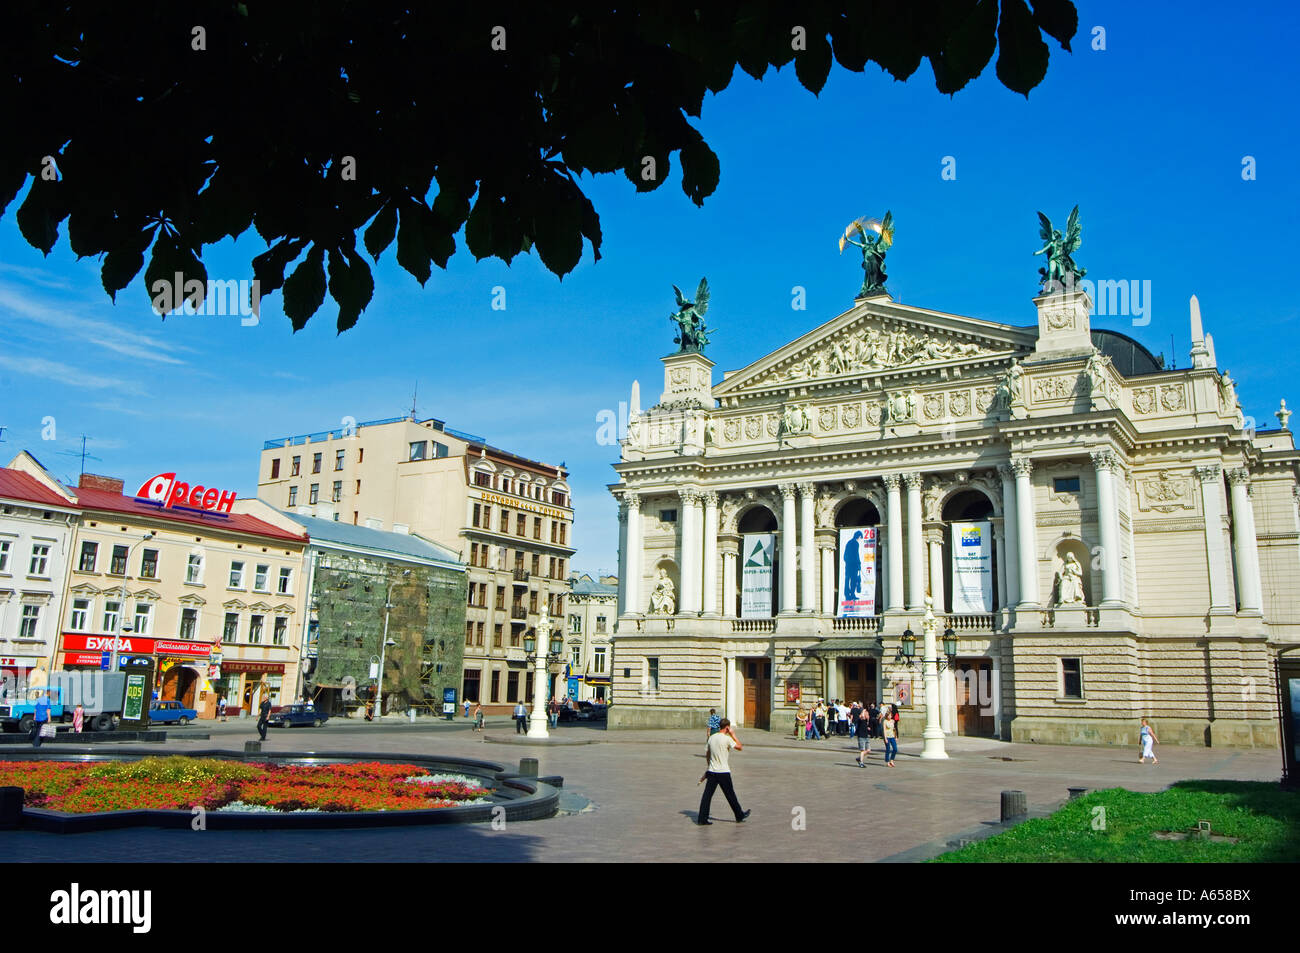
{"x":845,"y":648}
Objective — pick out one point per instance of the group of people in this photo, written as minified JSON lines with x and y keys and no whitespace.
{"x":858,"y":721}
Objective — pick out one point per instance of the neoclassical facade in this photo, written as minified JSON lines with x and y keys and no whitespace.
{"x":1145,"y":536}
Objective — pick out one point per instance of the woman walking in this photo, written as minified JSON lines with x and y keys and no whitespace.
{"x":1149,"y":740}
{"x":888,"y":728}
{"x":863,"y":727}
{"x":478,"y":716}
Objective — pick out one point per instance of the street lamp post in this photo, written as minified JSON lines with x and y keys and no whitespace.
{"x":933,"y":733}
{"x":388,"y":606}
{"x":541,"y":658}
{"x":122,"y":627}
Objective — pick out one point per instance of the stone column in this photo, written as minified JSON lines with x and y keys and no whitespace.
{"x":1210,"y":478}
{"x":828,"y":578}
{"x":728,"y":583}
{"x":709,"y":599}
{"x":894,"y":540}
{"x":934,"y":540}
{"x":622,"y":557}
{"x":1000,"y":547}
{"x":1249,"y":591}
{"x":915,"y":549}
{"x":789,"y":557}
{"x":632,"y":584}
{"x":807,"y":552}
{"x":1012,"y":533}
{"x":1107,"y":464}
{"x":690,"y":521}
{"x":1027,"y":542}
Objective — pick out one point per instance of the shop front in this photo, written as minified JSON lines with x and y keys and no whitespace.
{"x":181,"y":665}
{"x":244,"y":683}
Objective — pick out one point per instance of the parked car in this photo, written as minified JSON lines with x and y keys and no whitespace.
{"x":290,"y":715}
{"x":586,"y":711}
{"x":171,"y":713}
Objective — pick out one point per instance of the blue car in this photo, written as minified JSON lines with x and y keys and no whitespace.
{"x":171,"y":713}
{"x":291,"y":715}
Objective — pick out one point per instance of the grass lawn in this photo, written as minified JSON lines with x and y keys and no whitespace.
{"x":1264,"y":817}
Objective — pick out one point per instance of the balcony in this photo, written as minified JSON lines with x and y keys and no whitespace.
{"x":971,"y":622}
{"x":753,"y":625}
{"x":518,"y":612}
{"x":871,"y":623}
{"x":521,"y":576}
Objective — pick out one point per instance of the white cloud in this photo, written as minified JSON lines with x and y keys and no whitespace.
{"x":66,"y":374}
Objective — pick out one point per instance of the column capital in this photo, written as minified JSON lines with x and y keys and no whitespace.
{"x":710,"y":497}
{"x":1103,"y":458}
{"x":891,"y":481}
{"x":787,"y":491}
{"x":689,"y":495}
{"x":1209,"y":473}
{"x":807,"y":489}
{"x":933,"y":537}
{"x":633,"y":499}
{"x":912,"y":481}
{"x":1006,"y":472}
{"x":1022,"y":466}
{"x":1239,"y":476}
{"x":622,"y":511}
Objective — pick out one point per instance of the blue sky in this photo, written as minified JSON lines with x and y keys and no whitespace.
{"x":1147,"y":136}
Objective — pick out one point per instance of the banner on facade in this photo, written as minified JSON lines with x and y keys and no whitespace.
{"x":972,"y":567}
{"x":756,"y":551}
{"x":857,"y":572}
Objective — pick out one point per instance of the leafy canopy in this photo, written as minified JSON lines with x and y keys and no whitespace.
{"x":153,"y":129}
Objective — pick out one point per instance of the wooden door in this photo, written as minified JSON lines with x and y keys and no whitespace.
{"x":974,"y":685}
{"x":757,"y":675}
{"x":859,"y":680}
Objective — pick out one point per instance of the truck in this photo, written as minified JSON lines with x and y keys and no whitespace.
{"x":101,"y":696}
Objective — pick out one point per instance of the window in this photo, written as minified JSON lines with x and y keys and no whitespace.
{"x":487,"y":517}
{"x":482,"y":479}
{"x":496,"y":636}
{"x":285,"y":586}
{"x":40,"y":559}
{"x":275,"y":468}
{"x":439,"y":449}
{"x":230,"y":630}
{"x":575,"y":659}
{"x":564,"y":529}
{"x":236,"y":575}
{"x":521,"y":525}
{"x":501,"y":597}
{"x":469,"y":633}
{"x":1072,"y":677}
{"x":598,"y":660}
{"x":358,"y":490}
{"x":313,"y":496}
{"x":336,"y":492}
{"x":281,"y":631}
{"x":505,"y":521}
{"x":338,"y":459}
{"x":315,"y":462}
{"x":652,"y":674}
{"x":189,"y":623}
{"x":88,"y":553}
{"x":514,"y":637}
{"x":111,"y":613}
{"x":361,"y":454}
{"x":559,"y":499}
{"x":478,"y":512}
{"x":668,"y":516}
{"x":1065,"y":484}
{"x":473,"y":554}
{"x":532,"y":601}
{"x":255,"y":629}
{"x":575,"y":624}
{"x":80,"y":610}
{"x":5,"y":546}
{"x":117,"y":565}
{"x":600,"y":623}
{"x":537,"y":564}
{"x":419,"y":450}
{"x":512,"y":686}
{"x":496,"y":686}
{"x":297,"y":467}
{"x":478,"y":629}
{"x":149,"y":564}
{"x":537,"y":528}
{"x":31,"y":616}
{"x":143,"y":624}
{"x":194,"y":569}
{"x":471,"y":685}
{"x":293,"y":496}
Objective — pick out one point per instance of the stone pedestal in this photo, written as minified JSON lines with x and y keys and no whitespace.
{"x":1063,"y":326}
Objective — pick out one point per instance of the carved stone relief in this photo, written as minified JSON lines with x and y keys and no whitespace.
{"x":1144,"y":400}
{"x":1165,"y":492}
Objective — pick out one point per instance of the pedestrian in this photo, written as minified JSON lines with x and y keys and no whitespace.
{"x":800,"y":721}
{"x":890,"y":731}
{"x":718,"y":773}
{"x":841,"y":718}
{"x":478,"y":716}
{"x":863,"y":736}
{"x":466,"y":707}
{"x":873,"y":720}
{"x":41,"y":719}
{"x":78,"y":718}
{"x":811,"y":726}
{"x":221,"y":707}
{"x":264,"y":716}
{"x":854,"y":709}
{"x":1149,"y":740}
{"x":521,"y":719}
{"x":715,"y":723}
{"x":819,"y":720}
{"x":555,"y":712}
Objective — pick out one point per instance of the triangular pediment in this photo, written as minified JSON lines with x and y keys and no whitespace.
{"x":877,"y":337}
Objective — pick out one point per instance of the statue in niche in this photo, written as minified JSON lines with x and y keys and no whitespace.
{"x":1010,"y":392}
{"x":1069,"y":583}
{"x":663,"y":598}
{"x":1096,"y":371}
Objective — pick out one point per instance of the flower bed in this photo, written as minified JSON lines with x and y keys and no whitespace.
{"x":178,"y":782}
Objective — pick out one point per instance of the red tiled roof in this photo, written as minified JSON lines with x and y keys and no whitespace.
{"x":234,"y":523}
{"x":16,"y":485}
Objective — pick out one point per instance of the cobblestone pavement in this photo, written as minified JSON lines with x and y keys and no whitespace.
{"x":643,"y":794}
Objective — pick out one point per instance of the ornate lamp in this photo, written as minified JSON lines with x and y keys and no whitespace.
{"x":557,"y":643}
{"x":907,"y":648}
{"x":949,"y":643}
{"x":530,"y":642}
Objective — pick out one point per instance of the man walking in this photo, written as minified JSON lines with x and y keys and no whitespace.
{"x":521,"y":719}
{"x":715,"y":722}
{"x":264,"y":716}
{"x":719,"y":773}
{"x":42,"y":718}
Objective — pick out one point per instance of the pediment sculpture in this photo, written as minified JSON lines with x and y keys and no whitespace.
{"x":873,"y":349}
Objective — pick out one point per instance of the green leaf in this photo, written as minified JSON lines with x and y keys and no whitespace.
{"x":1022,"y":54}
{"x":119,"y":270}
{"x":351,"y":285}
{"x":38,"y":220}
{"x":90,"y":231}
{"x":1058,"y":19}
{"x":304,"y":290}
{"x":412,"y":254}
{"x":175,"y":276}
{"x":700,"y":170}
{"x":591,"y":226}
{"x":268,"y":267}
{"x":478,"y":227}
{"x":813,"y":65}
{"x":12,"y":178}
{"x":382,"y":230}
{"x":558,"y":232}
{"x":969,"y":46}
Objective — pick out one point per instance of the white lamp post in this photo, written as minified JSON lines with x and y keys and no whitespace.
{"x":538,"y":722}
{"x":122,"y":626}
{"x":933,"y":734}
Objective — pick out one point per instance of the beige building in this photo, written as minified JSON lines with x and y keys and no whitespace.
{"x":589,"y":653}
{"x":1144,"y":535}
{"x":509,"y":518}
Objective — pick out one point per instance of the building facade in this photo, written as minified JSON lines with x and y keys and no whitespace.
{"x":1103,"y":538}
{"x":593,"y":611}
{"x":510,"y":519}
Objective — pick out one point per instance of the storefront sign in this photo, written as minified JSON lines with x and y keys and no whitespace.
{"x":972,"y":567}
{"x":19,"y":661}
{"x":524,"y":505}
{"x":133,"y":645}
{"x":170,"y":492}
{"x":857,"y":572}
{"x":756,"y":575}
{"x":133,"y":707}
{"x":257,"y":668}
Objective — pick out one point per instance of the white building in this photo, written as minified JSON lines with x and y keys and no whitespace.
{"x":593,"y":610}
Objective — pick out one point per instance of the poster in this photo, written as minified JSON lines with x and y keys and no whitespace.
{"x":756,"y":575}
{"x":1293,"y":687}
{"x":857,"y":572}
{"x":972,"y":567}
{"x":133,"y":709}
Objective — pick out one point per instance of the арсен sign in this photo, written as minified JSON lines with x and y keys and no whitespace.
{"x":171,"y":492}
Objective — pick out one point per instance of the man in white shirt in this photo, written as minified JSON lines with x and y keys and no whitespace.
{"x":719,"y":772}
{"x":521,"y":719}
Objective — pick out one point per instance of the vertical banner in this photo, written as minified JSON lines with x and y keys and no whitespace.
{"x":857,"y":572}
{"x":972,"y":567}
{"x":756,"y":575}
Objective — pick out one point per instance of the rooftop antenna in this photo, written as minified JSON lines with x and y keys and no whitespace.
{"x":414,"y":394}
{"x":1173,"y":360}
{"x":81,"y":453}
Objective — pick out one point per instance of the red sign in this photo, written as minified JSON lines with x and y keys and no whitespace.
{"x":169,"y":491}
{"x":264,"y":668}
{"x":133,"y":645}
{"x":791,"y":692}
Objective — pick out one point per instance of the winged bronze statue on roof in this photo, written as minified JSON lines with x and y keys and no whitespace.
{"x":1060,"y":273}
{"x":877,"y":237}
{"x":692,"y":335}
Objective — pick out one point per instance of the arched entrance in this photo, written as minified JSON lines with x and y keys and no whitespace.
{"x":759,"y":519}
{"x":180,"y":683}
{"x":967,"y":505}
{"x":853,"y":513}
